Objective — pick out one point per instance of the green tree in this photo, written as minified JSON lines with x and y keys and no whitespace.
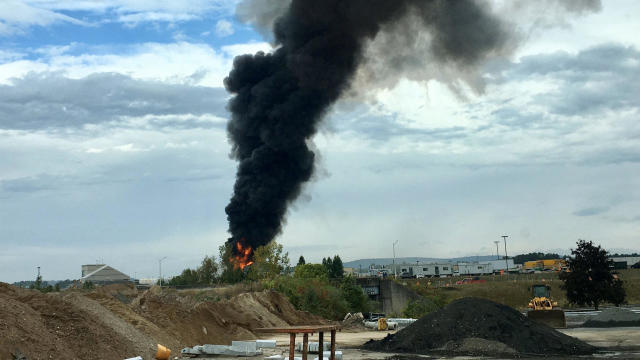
{"x":187,"y":277}
{"x":337,"y":269}
{"x":207,"y":273}
{"x":354,"y":295}
{"x":328,"y":264}
{"x":230,"y":274}
{"x":37,"y":285}
{"x":589,"y":280}
{"x":301,"y":260}
{"x":310,"y":271}
{"x":269,"y":261}
{"x":617,"y":295}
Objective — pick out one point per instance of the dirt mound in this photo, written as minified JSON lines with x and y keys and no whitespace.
{"x":115,"y":322}
{"x":614,"y":317}
{"x":450,"y":330}
{"x":192,"y":323}
{"x":44,"y":325}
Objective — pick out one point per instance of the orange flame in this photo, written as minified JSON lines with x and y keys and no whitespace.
{"x":242,"y":257}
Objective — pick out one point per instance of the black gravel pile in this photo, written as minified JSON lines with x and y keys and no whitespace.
{"x":473,"y":318}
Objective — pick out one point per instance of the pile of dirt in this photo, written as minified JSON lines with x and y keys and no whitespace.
{"x":117,"y":322}
{"x":475,"y":326}
{"x":192,"y":323}
{"x":43,"y":326}
{"x":614,"y":317}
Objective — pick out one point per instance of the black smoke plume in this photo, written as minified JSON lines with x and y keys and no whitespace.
{"x":281,"y":97}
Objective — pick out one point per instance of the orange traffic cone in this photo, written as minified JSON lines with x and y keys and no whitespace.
{"x":163,"y":353}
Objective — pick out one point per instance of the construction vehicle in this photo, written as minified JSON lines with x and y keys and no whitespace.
{"x":543,"y":309}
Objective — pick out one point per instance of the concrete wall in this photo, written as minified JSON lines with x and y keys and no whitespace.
{"x":392,"y":297}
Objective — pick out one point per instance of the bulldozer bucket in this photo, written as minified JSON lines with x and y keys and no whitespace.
{"x":553,"y":318}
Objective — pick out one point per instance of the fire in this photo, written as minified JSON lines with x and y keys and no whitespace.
{"x":242,"y":257}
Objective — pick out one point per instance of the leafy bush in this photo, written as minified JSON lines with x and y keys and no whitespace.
{"x":311,"y":271}
{"x":354,"y":295}
{"x":314,"y":295}
{"x":421,"y":307}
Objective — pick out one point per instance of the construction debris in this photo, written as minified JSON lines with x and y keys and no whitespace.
{"x":237,"y":348}
{"x":475,"y":326}
{"x":312,"y":347}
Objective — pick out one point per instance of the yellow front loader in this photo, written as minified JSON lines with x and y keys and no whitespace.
{"x":543,"y":309}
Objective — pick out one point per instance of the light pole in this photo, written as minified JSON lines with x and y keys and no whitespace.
{"x":497,"y":242}
{"x":160,"y":269}
{"x":395,"y":274}
{"x":506,"y":257}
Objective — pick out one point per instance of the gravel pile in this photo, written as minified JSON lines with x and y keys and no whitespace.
{"x":614,"y":317}
{"x":475,"y":326}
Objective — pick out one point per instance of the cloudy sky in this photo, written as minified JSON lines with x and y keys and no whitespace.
{"x":113,"y":144}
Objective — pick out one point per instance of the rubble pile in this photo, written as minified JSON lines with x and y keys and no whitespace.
{"x":475,"y":326}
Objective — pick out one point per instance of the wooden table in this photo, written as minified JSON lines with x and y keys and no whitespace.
{"x":306,"y":330}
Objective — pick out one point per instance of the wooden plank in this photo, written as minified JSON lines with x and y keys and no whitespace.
{"x":333,"y":345}
{"x":320,"y":345}
{"x":305,"y":345}
{"x":292,"y":346}
{"x":298,"y":329}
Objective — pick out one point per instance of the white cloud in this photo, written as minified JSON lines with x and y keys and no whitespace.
{"x":224,"y":28}
{"x":16,"y":16}
{"x":176,"y":63}
{"x":133,"y":12}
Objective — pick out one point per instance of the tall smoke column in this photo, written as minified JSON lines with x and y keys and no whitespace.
{"x":281,"y":97}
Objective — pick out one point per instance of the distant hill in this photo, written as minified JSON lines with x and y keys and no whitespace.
{"x":412,"y":260}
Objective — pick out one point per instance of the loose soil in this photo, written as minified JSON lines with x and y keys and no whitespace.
{"x":117,"y":322}
{"x":476,"y":326}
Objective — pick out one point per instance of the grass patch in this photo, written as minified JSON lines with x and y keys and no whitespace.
{"x":513,"y":290}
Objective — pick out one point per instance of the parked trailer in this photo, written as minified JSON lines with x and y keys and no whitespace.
{"x":433,"y":270}
{"x":463,"y":269}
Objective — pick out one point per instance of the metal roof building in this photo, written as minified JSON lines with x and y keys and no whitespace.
{"x":101,"y":274}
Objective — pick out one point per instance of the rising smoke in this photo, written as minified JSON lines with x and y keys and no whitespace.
{"x":321,"y":45}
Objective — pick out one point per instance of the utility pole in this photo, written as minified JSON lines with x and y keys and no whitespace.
{"x":497,"y":242}
{"x":38,"y":273}
{"x":395,"y":274}
{"x":506,"y":258}
{"x":160,"y":268}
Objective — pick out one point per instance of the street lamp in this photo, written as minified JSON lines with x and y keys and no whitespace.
{"x":395,"y":274}
{"x":160,"y":269}
{"x":497,"y":253}
{"x":506,"y":257}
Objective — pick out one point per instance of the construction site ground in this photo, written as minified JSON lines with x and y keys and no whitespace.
{"x":617,"y":343}
{"x":117,"y":322}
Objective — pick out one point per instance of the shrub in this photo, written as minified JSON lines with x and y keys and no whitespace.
{"x":314,"y":295}
{"x":421,"y":307}
{"x":311,"y":271}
